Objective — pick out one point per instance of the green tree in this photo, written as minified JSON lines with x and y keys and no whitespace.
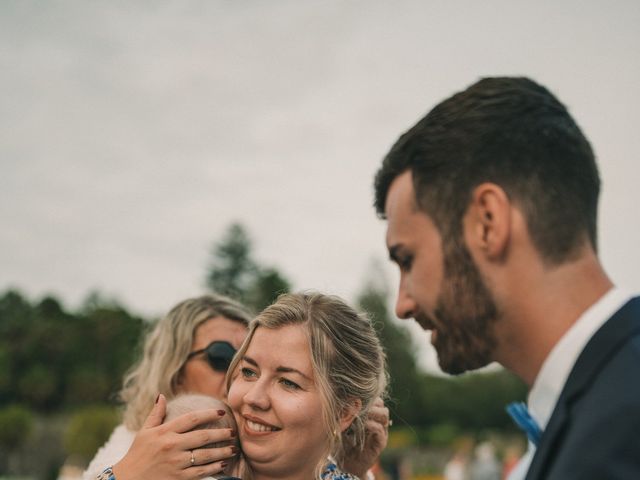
{"x":50,"y":357}
{"x":232,"y":269}
{"x":16,"y":320}
{"x":38,"y":385}
{"x":234,"y":272}
{"x":265,"y":288}
{"x":16,"y":424}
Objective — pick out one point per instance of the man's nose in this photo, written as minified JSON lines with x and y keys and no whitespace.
{"x":405,"y":305}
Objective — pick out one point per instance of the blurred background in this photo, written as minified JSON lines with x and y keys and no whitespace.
{"x":152,"y":151}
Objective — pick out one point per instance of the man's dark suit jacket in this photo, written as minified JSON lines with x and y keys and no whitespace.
{"x":594,"y":430}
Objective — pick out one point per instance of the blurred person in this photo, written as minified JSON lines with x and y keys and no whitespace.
{"x":456,"y":467}
{"x":302,"y":384}
{"x":491,"y":206}
{"x":485,"y":465}
{"x":189,"y":351}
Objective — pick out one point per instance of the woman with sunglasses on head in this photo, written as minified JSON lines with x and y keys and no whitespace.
{"x":189,"y":351}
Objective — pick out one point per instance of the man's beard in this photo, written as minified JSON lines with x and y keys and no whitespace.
{"x":465,"y":314}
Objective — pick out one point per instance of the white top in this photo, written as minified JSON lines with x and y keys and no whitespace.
{"x":111,"y":452}
{"x":553,"y":375}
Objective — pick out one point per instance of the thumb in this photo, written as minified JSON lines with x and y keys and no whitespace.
{"x":156,"y":416}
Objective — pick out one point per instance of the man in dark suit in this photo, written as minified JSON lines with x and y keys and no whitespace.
{"x":491,"y":202}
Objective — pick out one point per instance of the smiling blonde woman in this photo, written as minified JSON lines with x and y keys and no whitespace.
{"x":302,"y":384}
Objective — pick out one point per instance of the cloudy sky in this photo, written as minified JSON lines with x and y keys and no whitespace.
{"x":133,"y":133}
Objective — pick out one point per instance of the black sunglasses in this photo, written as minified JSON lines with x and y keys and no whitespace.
{"x":218,"y":354}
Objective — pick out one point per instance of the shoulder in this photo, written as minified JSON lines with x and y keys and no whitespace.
{"x":603,"y":419}
{"x":111,"y":452}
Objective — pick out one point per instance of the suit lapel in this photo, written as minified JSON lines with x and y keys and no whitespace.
{"x":604,"y":343}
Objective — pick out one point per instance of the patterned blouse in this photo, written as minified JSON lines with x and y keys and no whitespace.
{"x":332,"y":472}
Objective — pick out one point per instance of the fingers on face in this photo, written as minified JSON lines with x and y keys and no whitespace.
{"x":379,"y":414}
{"x":375,"y":429}
{"x":206,"y":456}
{"x":205,"y":470}
{"x":157,"y":413}
{"x":206,"y":437}
{"x":190,"y":420}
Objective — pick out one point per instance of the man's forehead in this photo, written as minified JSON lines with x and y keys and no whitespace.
{"x":399,"y":207}
{"x":401,"y":194}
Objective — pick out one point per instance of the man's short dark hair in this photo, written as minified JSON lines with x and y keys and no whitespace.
{"x":516,"y":134}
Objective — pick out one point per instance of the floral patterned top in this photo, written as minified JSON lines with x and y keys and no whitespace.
{"x":332,"y":472}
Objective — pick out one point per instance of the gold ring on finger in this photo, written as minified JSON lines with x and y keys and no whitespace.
{"x":193,"y":458}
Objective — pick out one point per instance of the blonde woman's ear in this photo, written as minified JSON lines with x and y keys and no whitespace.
{"x":350,"y":413}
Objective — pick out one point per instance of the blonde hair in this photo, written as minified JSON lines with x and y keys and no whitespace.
{"x":346,"y":354}
{"x":191,"y":402}
{"x":165,"y":351}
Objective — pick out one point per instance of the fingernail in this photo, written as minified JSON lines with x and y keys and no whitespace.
{"x":232,"y":434}
{"x":157,"y":398}
{"x":221,"y":412}
{"x":234,"y":449}
{"x":224,"y":465}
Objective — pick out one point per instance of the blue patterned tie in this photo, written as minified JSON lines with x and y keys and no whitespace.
{"x":520,"y":414}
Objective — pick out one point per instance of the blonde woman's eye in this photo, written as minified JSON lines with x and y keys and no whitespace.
{"x":247,"y":372}
{"x":289,"y":384}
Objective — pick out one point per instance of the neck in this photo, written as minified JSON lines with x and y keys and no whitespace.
{"x":541,"y":307}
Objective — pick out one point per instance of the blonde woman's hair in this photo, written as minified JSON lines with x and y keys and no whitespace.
{"x":165,"y":351}
{"x":347,"y":358}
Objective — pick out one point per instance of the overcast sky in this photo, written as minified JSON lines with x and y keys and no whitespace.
{"x":133,"y":133}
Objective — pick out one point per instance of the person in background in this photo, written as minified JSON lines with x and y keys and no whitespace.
{"x":187,"y":351}
{"x":485,"y":465}
{"x":491,"y":204}
{"x":456,"y":467}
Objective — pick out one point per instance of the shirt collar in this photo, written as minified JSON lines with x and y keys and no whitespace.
{"x":558,"y":364}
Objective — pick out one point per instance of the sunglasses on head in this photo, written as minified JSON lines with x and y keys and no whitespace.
{"x":218,"y":354}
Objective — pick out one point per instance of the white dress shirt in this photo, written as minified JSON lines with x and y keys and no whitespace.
{"x":559,"y":363}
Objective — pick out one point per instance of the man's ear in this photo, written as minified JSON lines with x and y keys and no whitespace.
{"x":487,"y":222}
{"x":350,"y":412}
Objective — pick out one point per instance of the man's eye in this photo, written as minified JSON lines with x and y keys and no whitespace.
{"x":405,"y":262}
